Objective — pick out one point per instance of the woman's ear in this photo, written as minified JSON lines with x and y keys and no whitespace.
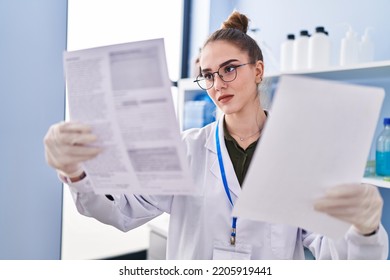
{"x":259,"y":71}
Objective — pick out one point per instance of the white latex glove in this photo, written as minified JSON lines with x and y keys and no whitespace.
{"x":357,"y":204}
{"x":66,"y":146}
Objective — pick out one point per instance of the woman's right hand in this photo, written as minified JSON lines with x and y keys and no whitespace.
{"x":67,"y":144}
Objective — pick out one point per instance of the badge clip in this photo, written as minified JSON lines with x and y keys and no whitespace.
{"x":233,"y":237}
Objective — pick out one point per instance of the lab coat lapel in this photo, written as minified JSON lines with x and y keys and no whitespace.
{"x":231,"y":178}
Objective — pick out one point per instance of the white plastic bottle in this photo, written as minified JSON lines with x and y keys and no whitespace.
{"x":319,"y":49}
{"x":349,"y":49}
{"x":366,"y":47}
{"x":286,"y":53}
{"x":301,"y":51}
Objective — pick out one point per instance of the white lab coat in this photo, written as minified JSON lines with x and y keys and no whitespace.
{"x":200,"y":226}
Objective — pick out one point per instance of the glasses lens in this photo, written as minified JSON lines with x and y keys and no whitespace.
{"x":228,"y":74}
{"x":203,"y":83}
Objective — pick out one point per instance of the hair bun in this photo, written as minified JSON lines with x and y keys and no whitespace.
{"x":236,"y":20}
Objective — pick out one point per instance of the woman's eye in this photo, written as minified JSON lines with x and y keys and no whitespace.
{"x":208,"y":76}
{"x":229,"y":69}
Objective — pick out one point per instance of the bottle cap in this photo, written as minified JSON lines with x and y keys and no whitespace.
{"x":304,"y":33}
{"x":366,"y":36}
{"x":386,"y":121}
{"x":350,"y":34}
{"x":320,"y":29}
{"x":290,"y":36}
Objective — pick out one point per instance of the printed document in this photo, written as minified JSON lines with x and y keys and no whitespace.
{"x":318,"y":135}
{"x":124,"y":92}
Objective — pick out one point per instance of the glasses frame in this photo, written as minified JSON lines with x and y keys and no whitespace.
{"x":198,"y":80}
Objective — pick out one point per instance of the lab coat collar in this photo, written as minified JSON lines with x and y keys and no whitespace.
{"x":234,"y":185}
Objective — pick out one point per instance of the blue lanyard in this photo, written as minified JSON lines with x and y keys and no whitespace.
{"x":225,"y":184}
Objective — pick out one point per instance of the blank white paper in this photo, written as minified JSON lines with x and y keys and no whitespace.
{"x":318,"y":135}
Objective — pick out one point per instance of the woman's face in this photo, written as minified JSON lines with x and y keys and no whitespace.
{"x":240,"y":94}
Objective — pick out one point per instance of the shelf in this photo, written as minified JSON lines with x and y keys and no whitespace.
{"x":377,"y":70}
{"x":377,"y":181}
{"x":188,"y":91}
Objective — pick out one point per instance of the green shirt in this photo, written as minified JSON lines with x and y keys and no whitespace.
{"x":240,"y":158}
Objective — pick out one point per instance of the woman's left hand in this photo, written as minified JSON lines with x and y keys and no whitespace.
{"x":358,"y":204}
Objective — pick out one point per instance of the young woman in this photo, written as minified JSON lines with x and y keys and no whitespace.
{"x":201,"y":227}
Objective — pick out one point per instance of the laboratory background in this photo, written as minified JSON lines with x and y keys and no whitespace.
{"x":38,"y":219}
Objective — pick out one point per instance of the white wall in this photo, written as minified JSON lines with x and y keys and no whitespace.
{"x":93,"y":23}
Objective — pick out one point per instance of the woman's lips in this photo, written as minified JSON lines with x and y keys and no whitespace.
{"x":225,"y":98}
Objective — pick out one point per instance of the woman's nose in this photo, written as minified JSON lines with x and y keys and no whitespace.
{"x":218,"y":82}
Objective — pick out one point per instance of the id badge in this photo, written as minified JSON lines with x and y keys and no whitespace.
{"x":229,"y":252}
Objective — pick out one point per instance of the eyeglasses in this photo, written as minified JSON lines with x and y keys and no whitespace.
{"x":229,"y":73}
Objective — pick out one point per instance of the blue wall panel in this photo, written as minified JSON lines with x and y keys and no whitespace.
{"x":32,"y":39}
